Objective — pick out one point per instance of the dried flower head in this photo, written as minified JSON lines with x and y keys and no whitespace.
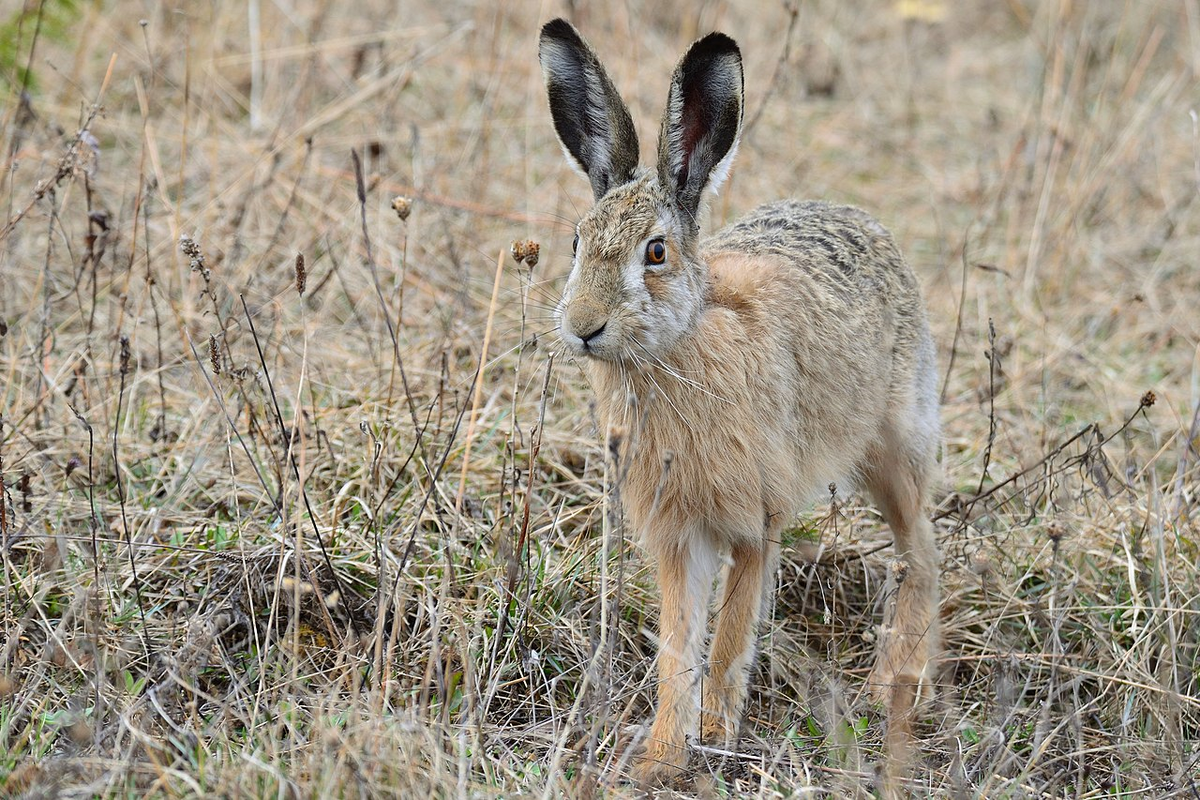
{"x":517,"y":248}
{"x":214,"y":353}
{"x":195,"y":258}
{"x":301,"y":275}
{"x":532,"y":249}
{"x":616,"y":437}
{"x":26,"y":489}
{"x":124,"y":355}
{"x":402,"y":206}
{"x":1056,"y":530}
{"x":1149,"y":398}
{"x":525,"y":251}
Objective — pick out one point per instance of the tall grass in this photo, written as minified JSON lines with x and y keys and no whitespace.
{"x":296,"y":499}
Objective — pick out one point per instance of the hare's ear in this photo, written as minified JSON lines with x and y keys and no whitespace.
{"x":590,"y":118}
{"x":702,"y":122}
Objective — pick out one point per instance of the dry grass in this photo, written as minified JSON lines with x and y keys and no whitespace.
{"x":441,"y":605}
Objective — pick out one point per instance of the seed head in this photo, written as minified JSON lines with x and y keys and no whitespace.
{"x":290,"y":585}
{"x":26,"y":492}
{"x":532,"y":249}
{"x":517,"y":248}
{"x":402,"y":206}
{"x":616,"y":437}
{"x":525,"y":251}
{"x":124,"y":355}
{"x":195,"y":258}
{"x":1149,"y":398}
{"x":301,"y":275}
{"x":214,"y":353}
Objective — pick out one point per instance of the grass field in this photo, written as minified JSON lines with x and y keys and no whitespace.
{"x":355,"y":540}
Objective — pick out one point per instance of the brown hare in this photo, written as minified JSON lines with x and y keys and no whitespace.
{"x":784,"y":352}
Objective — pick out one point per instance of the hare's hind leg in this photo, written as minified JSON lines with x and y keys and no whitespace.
{"x":897,"y":476}
{"x":685,"y":577}
{"x":733,"y":644}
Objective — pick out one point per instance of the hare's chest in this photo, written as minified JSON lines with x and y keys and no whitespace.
{"x":697,"y":481}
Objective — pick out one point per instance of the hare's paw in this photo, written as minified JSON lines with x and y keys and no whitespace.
{"x":900,"y":682}
{"x":659,"y":763}
{"x":717,"y":729}
{"x":720,"y":715}
{"x":902,"y":672}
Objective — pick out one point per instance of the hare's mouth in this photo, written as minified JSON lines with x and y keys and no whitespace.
{"x":591,"y":332}
{"x":601,"y":344}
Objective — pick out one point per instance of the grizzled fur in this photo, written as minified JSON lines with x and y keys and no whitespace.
{"x":752,"y":369}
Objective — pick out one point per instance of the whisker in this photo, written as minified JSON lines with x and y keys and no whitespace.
{"x":658,"y":389}
{"x":563,"y":219}
{"x":658,"y":362}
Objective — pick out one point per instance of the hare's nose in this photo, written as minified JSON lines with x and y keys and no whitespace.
{"x":585,"y":320}
{"x":587,"y":337}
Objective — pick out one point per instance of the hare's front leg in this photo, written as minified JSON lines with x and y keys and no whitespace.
{"x":733,"y":645}
{"x":685,"y":578}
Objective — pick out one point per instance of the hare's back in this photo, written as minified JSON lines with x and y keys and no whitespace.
{"x":841,"y":247}
{"x":828,"y":284}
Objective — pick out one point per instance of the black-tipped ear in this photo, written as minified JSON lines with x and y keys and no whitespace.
{"x":590,"y":118}
{"x":702,"y":121}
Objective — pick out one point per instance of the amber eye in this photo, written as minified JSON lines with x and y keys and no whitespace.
{"x":575,"y":244}
{"x":656,"y":252}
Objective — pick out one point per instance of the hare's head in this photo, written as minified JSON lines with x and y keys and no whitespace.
{"x":637,"y":283}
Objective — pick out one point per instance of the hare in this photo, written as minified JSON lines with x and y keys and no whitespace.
{"x":751,"y":368}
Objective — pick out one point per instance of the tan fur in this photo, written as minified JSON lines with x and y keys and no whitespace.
{"x":733,"y":642}
{"x":788,"y":351}
{"x":750,"y":440}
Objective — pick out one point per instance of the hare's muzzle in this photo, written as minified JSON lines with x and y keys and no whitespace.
{"x":583,"y":327}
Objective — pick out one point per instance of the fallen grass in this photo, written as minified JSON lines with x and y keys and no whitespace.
{"x":335,"y":538}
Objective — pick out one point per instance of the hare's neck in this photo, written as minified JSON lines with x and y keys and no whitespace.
{"x":634,"y":392}
{"x":613,"y":383}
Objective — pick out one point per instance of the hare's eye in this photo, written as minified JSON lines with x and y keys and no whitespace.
{"x":656,"y":252}
{"x":575,"y":244}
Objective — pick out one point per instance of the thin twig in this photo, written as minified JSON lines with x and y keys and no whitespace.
{"x":276,"y":502}
{"x":137,"y":583}
{"x":958,"y":318}
{"x":793,"y":10}
{"x":991,"y":439}
{"x":287,"y":440}
{"x":383,"y":306}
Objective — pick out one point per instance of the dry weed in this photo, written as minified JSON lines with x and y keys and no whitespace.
{"x":294,"y":500}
